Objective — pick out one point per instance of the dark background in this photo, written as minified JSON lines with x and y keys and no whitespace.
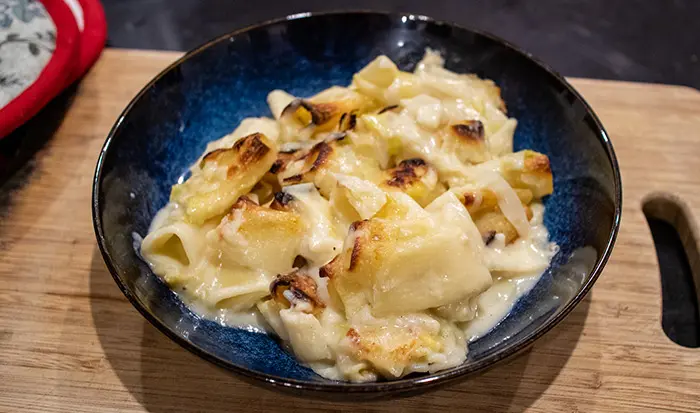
{"x":650,"y":41}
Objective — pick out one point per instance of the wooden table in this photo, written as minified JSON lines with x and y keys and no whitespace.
{"x":70,"y":342}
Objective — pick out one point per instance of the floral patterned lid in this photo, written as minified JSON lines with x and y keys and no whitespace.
{"x":44,"y":47}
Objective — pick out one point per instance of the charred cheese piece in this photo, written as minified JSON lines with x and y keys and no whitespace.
{"x":522,"y":170}
{"x":296,"y":289}
{"x":398,"y":345}
{"x":331,"y":109}
{"x":466,"y":140}
{"x":224,"y":175}
{"x":416,"y":178}
{"x":482,"y":204}
{"x":317,"y":164}
{"x":528,"y":170}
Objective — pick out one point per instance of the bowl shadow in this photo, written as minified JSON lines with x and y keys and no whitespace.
{"x":164,"y":377}
{"x":19,"y":149}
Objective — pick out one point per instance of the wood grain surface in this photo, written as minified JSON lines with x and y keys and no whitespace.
{"x":70,"y":342}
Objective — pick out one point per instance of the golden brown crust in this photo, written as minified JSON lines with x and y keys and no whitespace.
{"x":321,"y":152}
{"x":283,"y":159}
{"x":320,"y":112}
{"x":479,"y":201}
{"x":347,"y":122}
{"x":251,"y":148}
{"x":482,"y":205}
{"x":349,"y":260}
{"x":407,"y":172}
{"x":529,"y":170}
{"x":355,"y":254}
{"x":317,"y":157}
{"x":333,"y":109}
{"x":358,"y":243}
{"x":471,"y":131}
{"x":483,"y":200}
{"x":246,"y":152}
{"x":331,"y":269}
{"x":243,"y":203}
{"x":495,"y":222}
{"x":294,"y":179}
{"x":369,"y":348}
{"x":538,"y":163}
{"x":302,"y":287}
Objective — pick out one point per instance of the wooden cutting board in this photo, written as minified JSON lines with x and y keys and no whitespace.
{"x":69,"y":340}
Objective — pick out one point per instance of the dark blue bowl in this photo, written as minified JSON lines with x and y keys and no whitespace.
{"x":206,"y":93}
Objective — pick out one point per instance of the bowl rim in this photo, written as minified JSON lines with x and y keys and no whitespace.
{"x":419,"y":383}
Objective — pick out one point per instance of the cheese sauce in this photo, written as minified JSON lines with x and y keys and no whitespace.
{"x":377,"y":229}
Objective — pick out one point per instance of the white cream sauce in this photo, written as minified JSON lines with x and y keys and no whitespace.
{"x":495,"y":303}
{"x":369,"y":341}
{"x":532,"y":254}
{"x":250,"y":320}
{"x":492,"y":306}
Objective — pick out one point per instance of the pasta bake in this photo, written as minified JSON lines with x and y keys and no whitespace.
{"x":375,"y":229}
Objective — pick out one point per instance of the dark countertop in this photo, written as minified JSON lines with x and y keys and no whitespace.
{"x":649,"y":41}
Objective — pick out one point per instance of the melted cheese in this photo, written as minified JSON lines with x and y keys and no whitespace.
{"x":367,"y":256}
{"x":321,"y":240}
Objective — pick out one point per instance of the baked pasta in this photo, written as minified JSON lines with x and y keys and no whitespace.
{"x":375,"y":228}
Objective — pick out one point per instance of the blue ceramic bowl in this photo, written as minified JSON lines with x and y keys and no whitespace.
{"x":206,"y":93}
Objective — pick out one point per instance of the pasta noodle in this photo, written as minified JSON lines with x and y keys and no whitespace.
{"x":376,"y":228}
